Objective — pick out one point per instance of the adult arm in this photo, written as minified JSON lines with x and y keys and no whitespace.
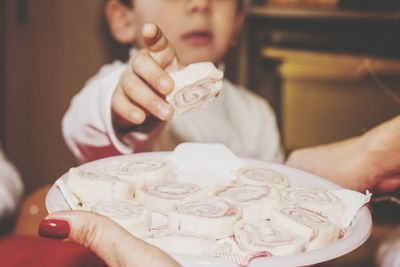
{"x":369,"y":161}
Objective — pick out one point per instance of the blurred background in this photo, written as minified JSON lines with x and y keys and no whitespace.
{"x":330,"y":69}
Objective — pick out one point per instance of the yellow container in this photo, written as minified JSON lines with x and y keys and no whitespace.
{"x":328,"y":97}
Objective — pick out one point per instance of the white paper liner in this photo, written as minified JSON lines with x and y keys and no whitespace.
{"x":213,"y":164}
{"x":72,"y":201}
{"x":353,"y":201}
{"x":205,"y":164}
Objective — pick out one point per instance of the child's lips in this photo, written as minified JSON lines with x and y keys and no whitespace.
{"x":198,"y":37}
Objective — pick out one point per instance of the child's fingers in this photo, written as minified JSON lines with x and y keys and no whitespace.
{"x":158,"y":45}
{"x":141,"y":94}
{"x":125,"y":109}
{"x":144,"y":65}
{"x":154,"y":38}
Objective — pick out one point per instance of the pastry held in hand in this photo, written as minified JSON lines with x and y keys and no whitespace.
{"x":261,"y":235}
{"x":317,"y":199}
{"x":163,"y":197}
{"x":130,"y":215}
{"x":213,"y":217}
{"x":92,"y":186}
{"x":142,"y":171}
{"x":261,"y":176}
{"x":256,"y":201}
{"x":195,"y":86}
{"x":185,"y":243}
{"x":315,"y":227}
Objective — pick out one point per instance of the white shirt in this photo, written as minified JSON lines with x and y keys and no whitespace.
{"x":11,"y":187}
{"x":237,"y":118}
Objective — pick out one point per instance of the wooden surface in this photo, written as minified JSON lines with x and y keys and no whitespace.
{"x":49,"y":54}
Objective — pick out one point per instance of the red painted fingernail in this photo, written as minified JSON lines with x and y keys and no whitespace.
{"x":52,"y":228}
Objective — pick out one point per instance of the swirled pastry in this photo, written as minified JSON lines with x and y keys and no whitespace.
{"x":317,"y":199}
{"x":315,"y":227}
{"x":185,"y":243}
{"x":213,"y":217}
{"x":142,"y":171}
{"x":261,"y":176}
{"x":256,"y":201}
{"x":261,"y":235}
{"x":92,"y":186}
{"x":195,"y":86}
{"x":163,"y":197}
{"x":132,"y":216}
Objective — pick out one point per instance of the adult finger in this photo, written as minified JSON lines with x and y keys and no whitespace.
{"x":105,"y":238}
{"x":388,"y":184}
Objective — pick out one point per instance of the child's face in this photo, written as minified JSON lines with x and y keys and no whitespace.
{"x":199,"y":30}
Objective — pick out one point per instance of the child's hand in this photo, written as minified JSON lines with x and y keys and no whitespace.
{"x":145,"y":82}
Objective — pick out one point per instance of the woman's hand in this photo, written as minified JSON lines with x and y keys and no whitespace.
{"x":110,"y":242}
{"x":370,"y":161}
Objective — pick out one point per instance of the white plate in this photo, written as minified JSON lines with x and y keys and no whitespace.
{"x":357,"y":234}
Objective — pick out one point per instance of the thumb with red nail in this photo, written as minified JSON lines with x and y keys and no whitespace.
{"x":110,"y":242}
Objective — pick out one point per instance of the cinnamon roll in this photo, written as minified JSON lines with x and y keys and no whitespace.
{"x":317,"y":199}
{"x":92,"y":186}
{"x":261,"y":235}
{"x":315,"y":227}
{"x":163,"y":197}
{"x":195,"y":86}
{"x":261,"y":176}
{"x":130,"y":215}
{"x":185,"y":243}
{"x":214,"y":217}
{"x":142,"y":171}
{"x":256,"y":201}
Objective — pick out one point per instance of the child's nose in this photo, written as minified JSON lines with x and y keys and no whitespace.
{"x":198,"y":5}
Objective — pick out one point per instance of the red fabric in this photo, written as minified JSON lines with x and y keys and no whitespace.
{"x":32,"y":251}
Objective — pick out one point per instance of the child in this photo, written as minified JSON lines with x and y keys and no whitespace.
{"x":123,"y":109}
